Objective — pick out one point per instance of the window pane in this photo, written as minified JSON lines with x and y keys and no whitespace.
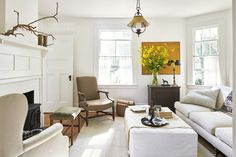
{"x":199,"y":78}
{"x":115,"y":70}
{"x":198,"y":49}
{"x":206,"y":48}
{"x":198,"y":63}
{"x":214,"y":48}
{"x":123,"y":48}
{"x":104,"y":70}
{"x":107,"y":48}
{"x":211,"y":69}
{"x":206,"y":34}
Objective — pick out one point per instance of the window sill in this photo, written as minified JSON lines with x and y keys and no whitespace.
{"x":189,"y":86}
{"x":118,"y":86}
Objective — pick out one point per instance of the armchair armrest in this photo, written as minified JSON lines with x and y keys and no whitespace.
{"x":82,"y":96}
{"x":107,"y":94}
{"x":47,"y":134}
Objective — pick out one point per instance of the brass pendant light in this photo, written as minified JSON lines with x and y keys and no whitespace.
{"x":138,"y":24}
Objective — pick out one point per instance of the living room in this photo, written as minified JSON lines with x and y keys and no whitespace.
{"x":87,"y":36}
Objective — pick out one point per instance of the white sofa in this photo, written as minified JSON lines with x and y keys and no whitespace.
{"x":50,"y":142}
{"x":214,"y":126}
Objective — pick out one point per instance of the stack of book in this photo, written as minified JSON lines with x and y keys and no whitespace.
{"x":165,"y":113}
{"x":138,"y":108}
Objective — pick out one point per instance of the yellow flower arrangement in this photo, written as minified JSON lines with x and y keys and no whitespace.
{"x":154,"y":58}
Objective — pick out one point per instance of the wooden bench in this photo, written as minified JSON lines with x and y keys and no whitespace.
{"x":69,"y":114}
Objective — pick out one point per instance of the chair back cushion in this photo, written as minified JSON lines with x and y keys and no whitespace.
{"x":13,"y":111}
{"x":88,"y":86}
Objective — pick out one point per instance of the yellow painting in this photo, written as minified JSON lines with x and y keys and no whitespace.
{"x":174,"y":55}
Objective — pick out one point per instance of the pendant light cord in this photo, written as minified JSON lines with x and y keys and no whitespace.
{"x":138,"y":6}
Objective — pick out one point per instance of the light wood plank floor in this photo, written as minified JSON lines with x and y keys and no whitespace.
{"x":105,"y":138}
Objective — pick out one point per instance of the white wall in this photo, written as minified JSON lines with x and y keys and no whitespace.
{"x":168,"y":29}
{"x":28,"y":10}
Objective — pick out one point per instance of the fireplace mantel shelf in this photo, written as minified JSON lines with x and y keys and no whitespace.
{"x":7,"y":40}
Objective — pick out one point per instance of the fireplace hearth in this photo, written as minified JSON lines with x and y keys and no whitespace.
{"x":33,"y":117}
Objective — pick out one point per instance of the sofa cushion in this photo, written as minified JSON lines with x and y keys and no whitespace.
{"x":211,"y":120}
{"x":186,"y":109}
{"x":225,"y":134}
{"x":206,"y":97}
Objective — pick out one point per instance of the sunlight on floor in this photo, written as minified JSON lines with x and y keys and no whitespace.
{"x":105,"y":138}
{"x":92,"y":152}
{"x":102,"y":139}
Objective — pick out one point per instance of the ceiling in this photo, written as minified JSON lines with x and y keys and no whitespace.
{"x":126,"y":8}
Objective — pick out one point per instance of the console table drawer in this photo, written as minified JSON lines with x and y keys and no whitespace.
{"x":161,"y":95}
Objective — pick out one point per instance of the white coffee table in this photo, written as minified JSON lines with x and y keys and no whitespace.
{"x":177,"y":139}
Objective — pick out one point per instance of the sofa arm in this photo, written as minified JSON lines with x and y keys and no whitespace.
{"x":42,"y":137}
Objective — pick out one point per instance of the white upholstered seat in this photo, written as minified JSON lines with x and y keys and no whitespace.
{"x":186,"y":109}
{"x":225,"y":134}
{"x":209,"y":122}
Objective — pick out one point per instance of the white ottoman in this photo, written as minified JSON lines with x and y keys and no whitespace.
{"x":177,"y":139}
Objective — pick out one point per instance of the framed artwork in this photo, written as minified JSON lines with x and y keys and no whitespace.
{"x":175,"y":55}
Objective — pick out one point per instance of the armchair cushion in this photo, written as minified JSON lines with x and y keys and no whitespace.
{"x":67,"y":112}
{"x":99,"y":104}
{"x":88,"y":86}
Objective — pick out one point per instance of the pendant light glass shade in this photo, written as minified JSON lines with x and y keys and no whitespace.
{"x":138,"y":24}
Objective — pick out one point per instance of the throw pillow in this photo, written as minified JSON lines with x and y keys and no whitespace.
{"x":228,"y":104}
{"x":206,"y":98}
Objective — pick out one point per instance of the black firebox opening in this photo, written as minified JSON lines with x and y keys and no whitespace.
{"x":33,"y":117}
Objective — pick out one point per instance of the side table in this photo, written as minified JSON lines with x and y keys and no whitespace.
{"x":163,"y":95}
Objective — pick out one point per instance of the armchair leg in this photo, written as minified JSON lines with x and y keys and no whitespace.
{"x":72,"y":132}
{"x":86,"y":119}
{"x":113,"y":113}
{"x":51,"y":121}
{"x":78,"y":123}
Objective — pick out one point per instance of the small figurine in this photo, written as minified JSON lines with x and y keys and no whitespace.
{"x":165,"y":83}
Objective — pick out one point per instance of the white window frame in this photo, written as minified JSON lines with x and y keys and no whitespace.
{"x":194,"y":42}
{"x":98,"y":28}
{"x":222,"y":34}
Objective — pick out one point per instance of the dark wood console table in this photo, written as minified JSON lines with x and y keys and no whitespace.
{"x":163,"y":95}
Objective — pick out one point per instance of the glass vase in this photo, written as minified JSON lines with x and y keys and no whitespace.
{"x":154,"y":79}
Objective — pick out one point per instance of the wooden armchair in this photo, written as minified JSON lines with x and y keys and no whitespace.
{"x":89,"y":98}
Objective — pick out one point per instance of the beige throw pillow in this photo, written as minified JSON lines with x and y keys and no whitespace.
{"x":206,"y":97}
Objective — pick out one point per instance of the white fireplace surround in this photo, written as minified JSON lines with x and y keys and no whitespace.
{"x":21,"y":68}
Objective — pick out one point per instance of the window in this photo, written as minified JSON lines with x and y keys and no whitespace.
{"x":115,"y":60}
{"x":206,"y":56}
